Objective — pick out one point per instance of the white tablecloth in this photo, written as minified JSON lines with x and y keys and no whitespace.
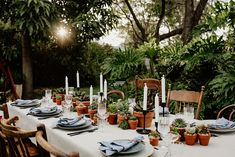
{"x":87,"y":143}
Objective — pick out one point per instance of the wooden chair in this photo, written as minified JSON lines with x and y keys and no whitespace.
{"x":4,"y":108}
{"x":185,"y":97}
{"x":17,"y":140}
{"x":227,"y":112}
{"x":45,"y":148}
{"x":116,"y":92}
{"x":154,"y":86}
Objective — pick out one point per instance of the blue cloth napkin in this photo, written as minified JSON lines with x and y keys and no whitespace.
{"x":222,"y":123}
{"x":21,"y":102}
{"x":46,"y":110}
{"x":69,"y":121}
{"x":112,"y":147}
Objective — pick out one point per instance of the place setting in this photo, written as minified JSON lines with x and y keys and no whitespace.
{"x":26,"y":103}
{"x":220,"y":125}
{"x":125,"y":147}
{"x":45,"y":112}
{"x":77,"y":124}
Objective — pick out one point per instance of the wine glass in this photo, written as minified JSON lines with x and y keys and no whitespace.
{"x":164,"y":129}
{"x":67,"y":104}
{"x":102,"y":112}
{"x":48,"y":96}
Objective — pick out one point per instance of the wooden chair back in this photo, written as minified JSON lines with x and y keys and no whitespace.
{"x":47,"y":149}
{"x":4,"y":109}
{"x":18,"y":141}
{"x":227,"y":112}
{"x":116,"y":92}
{"x":154,"y":86}
{"x":183,"y":98}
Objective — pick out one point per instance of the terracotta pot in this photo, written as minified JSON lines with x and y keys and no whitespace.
{"x":81,"y":110}
{"x":190,"y":139}
{"x":54,"y":99}
{"x":148,"y":119}
{"x":121,"y":118}
{"x":154,"y":141}
{"x":91,"y":113}
{"x":85,"y":104}
{"x":133,"y":124}
{"x":204,"y":139}
{"x":181,"y":133}
{"x":58,"y":102}
{"x":112,"y":119}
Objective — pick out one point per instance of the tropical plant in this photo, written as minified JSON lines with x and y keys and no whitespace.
{"x":123,"y":64}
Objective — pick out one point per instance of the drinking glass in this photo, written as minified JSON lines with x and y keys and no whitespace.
{"x":102,"y":113}
{"x":67,"y":104}
{"x":189,"y":114}
{"x":48,"y":96}
{"x":164,"y":129}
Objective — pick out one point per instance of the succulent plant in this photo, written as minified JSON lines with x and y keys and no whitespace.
{"x":179,"y":123}
{"x":93,"y":106}
{"x":124,"y":125}
{"x":154,"y":134}
{"x":190,"y":130}
{"x":112,"y":108}
{"x":203,"y":129}
{"x":133,"y":117}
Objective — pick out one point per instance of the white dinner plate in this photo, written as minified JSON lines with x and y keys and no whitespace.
{"x":85,"y":125}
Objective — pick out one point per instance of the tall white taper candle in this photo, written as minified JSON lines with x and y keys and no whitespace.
{"x":163,"y":82}
{"x":91,"y":94}
{"x":78,"y":81}
{"x":66,"y":85}
{"x":145,"y":97}
{"x":101,"y":82}
{"x":105,"y":89}
{"x":156,"y":110}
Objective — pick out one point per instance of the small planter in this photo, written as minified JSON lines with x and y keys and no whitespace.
{"x":148,"y":119}
{"x":112,"y":119}
{"x":181,"y":132}
{"x":81,"y":110}
{"x":133,"y":124}
{"x":58,"y":102}
{"x":190,"y":139}
{"x":92,"y":112}
{"x":204,"y":139}
{"x":154,"y":141}
{"x":121,"y":118}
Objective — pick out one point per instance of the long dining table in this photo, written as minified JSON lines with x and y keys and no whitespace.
{"x":87,"y":143}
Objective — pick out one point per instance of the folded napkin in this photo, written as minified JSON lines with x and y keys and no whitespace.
{"x":21,"y":102}
{"x":166,"y":110}
{"x":222,"y":123}
{"x":112,"y":147}
{"x":43,"y":110}
{"x":69,"y":121}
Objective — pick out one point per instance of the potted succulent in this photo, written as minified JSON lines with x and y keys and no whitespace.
{"x":124,"y":124}
{"x":92,"y":109}
{"x":204,"y":135}
{"x":81,"y":109}
{"x":179,"y":124}
{"x":133,"y":122}
{"x":123,"y":110}
{"x":154,"y":137}
{"x":190,"y":135}
{"x":112,"y":109}
{"x":58,"y":99}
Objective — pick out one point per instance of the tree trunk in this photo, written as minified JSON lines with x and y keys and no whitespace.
{"x":188,"y":19}
{"x":27,"y":66}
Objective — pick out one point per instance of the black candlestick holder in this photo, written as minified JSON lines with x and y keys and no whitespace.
{"x":144,"y":130}
{"x":163,"y":104}
{"x":101,"y":96}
